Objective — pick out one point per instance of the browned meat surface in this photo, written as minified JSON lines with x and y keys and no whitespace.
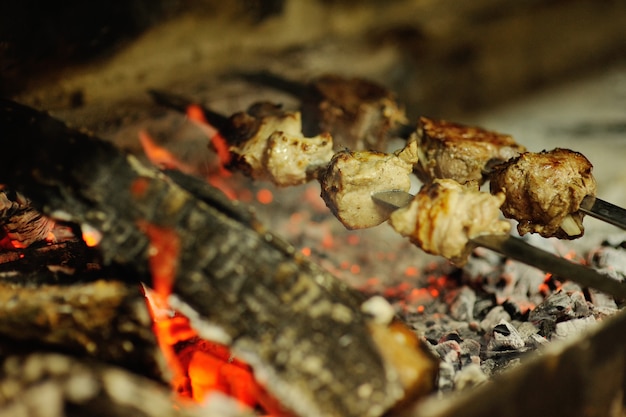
{"x":462,"y":153}
{"x":544,"y":191}
{"x":352,"y":177}
{"x":444,"y":216}
{"x":267,"y":144}
{"x":359,"y":114}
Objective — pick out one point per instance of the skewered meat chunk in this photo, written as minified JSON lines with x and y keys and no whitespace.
{"x":462,"y":153}
{"x":352,"y":177}
{"x":544,"y":191}
{"x":268,"y":145}
{"x":444,"y":216}
{"x":358,"y":113}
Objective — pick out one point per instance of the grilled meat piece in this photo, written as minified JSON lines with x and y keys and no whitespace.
{"x":544,"y":191}
{"x":444,"y":216}
{"x":462,"y":153}
{"x":350,"y":179}
{"x":359,"y":114}
{"x":267,"y":144}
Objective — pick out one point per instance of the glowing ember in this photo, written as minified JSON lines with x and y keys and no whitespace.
{"x":264,"y":196}
{"x":90,"y":236}
{"x":199,"y":367}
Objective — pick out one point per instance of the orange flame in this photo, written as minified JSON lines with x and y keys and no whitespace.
{"x":160,"y":156}
{"x":219,"y":143}
{"x":199,"y":367}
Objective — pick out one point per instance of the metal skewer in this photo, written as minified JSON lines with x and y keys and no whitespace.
{"x":604,"y":211}
{"x":518,"y":249}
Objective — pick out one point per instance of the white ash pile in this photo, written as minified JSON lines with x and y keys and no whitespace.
{"x":489,"y":316}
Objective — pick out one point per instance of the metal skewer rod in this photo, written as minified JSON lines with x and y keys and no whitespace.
{"x":604,"y":211}
{"x":518,"y":249}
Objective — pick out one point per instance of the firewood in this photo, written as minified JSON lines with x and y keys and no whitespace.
{"x":103,"y":320}
{"x":56,"y":385}
{"x":302,"y":331}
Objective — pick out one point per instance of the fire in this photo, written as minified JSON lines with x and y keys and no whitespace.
{"x":218,"y":142}
{"x":200,"y":367}
{"x":160,"y":156}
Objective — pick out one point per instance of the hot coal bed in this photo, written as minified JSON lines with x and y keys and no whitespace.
{"x":83,"y":328}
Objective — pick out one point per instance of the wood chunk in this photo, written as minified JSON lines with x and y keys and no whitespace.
{"x":300,"y":329}
{"x":107,"y":321}
{"x":55,"y":385}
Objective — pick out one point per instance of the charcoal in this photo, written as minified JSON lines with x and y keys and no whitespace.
{"x":504,"y":336}
{"x":610,"y":260}
{"x":572,"y":327}
{"x":449,"y":351}
{"x":495,"y":316}
{"x":461,"y":302}
{"x":447,"y":373}
{"x":468,"y":377}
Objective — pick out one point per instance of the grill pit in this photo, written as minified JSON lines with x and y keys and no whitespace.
{"x":465,"y":315}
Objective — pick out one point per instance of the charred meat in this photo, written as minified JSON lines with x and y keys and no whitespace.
{"x":359,"y":114}
{"x":352,"y":177}
{"x":544,"y":191}
{"x":462,"y":153}
{"x":444,"y":216}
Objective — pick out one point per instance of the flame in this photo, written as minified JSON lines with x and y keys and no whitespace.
{"x":199,"y":367}
{"x":161,"y":157}
{"x":219,"y":143}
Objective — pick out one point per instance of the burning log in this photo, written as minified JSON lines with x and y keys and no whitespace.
{"x":55,"y":385}
{"x":303,"y":332}
{"x":107,"y":321}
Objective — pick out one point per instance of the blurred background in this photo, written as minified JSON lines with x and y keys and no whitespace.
{"x":550,"y":72}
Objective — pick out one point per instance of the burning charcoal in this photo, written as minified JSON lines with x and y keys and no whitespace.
{"x":447,"y":372}
{"x":449,"y":351}
{"x":569,"y":328}
{"x":610,"y":260}
{"x":461,"y":302}
{"x":558,"y":307}
{"x":504,"y":336}
{"x":470,"y":351}
{"x":468,"y":377}
{"x":495,"y":316}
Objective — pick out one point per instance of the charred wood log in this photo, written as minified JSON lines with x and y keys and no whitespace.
{"x":55,"y":385}
{"x":103,"y":320}
{"x":67,"y":262}
{"x":301,"y":330}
